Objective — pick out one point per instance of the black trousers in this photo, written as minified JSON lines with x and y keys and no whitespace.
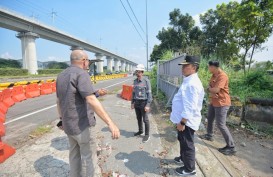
{"x":187,"y":148}
{"x":142,"y":115}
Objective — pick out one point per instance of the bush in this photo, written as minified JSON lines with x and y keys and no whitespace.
{"x":13,"y":72}
{"x":256,"y":84}
{"x":9,"y":63}
{"x":49,"y":71}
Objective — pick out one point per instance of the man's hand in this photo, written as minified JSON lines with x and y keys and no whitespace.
{"x":132,"y":106}
{"x":102,"y":92}
{"x":115,"y":131}
{"x":147,"y":109}
{"x":180,"y":127}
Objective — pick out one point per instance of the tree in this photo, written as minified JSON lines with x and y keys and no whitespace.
{"x":179,"y":37}
{"x":218,"y":38}
{"x":253,"y":26}
{"x":9,"y":63}
{"x":57,"y":65}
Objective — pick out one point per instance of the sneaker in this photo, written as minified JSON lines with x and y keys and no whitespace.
{"x":206,"y":137}
{"x":227,"y":150}
{"x":182,"y":172}
{"x":138,"y":133}
{"x":178,"y":160}
{"x":146,"y":138}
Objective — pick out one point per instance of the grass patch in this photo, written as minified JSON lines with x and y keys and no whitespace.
{"x":259,"y":128}
{"x":40,"y":131}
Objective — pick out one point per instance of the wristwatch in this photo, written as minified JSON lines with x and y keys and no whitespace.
{"x":182,"y":123}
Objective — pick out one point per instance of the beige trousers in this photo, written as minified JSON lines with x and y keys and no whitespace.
{"x":83,"y":158}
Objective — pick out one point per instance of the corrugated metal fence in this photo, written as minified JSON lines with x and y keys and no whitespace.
{"x":169,"y":77}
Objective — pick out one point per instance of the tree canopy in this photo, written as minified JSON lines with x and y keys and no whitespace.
{"x":231,"y":33}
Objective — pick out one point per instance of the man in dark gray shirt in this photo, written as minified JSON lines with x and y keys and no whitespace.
{"x":141,"y":100}
{"x":75,"y":93}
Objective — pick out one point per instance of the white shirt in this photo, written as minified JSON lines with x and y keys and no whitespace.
{"x":187,"y":103}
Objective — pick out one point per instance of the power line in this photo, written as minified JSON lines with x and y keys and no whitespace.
{"x":135,"y":16}
{"x":131,"y":20}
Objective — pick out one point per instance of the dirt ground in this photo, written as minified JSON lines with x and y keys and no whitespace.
{"x":254,"y":156}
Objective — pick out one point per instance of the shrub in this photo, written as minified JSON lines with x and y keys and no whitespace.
{"x":13,"y":72}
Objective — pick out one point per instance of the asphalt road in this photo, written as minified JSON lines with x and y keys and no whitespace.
{"x":26,"y":116}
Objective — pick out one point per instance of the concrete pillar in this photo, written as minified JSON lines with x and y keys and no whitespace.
{"x":109,"y":63}
{"x":122,"y":66}
{"x":127,"y":67}
{"x":116,"y":63}
{"x":29,"y":51}
{"x":130,"y":68}
{"x":100,"y":63}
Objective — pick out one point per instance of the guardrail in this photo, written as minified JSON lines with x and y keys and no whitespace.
{"x":94,"y":79}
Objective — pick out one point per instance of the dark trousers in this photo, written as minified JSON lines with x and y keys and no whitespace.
{"x":141,"y":115}
{"x":220,"y":114}
{"x":187,"y":148}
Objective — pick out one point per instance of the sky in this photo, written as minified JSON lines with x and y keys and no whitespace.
{"x":103,"y":23}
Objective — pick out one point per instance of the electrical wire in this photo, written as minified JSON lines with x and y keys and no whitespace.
{"x":135,"y":16}
{"x":132,"y":21}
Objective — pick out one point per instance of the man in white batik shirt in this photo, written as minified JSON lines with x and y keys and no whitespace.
{"x":186,"y":114}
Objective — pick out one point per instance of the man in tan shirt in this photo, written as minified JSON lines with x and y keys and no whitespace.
{"x":219,"y":105}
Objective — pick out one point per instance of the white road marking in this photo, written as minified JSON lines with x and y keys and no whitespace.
{"x":49,"y":107}
{"x":117,"y":83}
{"x":35,"y":112}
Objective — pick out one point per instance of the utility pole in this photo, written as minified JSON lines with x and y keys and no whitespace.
{"x":53,"y":15}
{"x":147,"y":42}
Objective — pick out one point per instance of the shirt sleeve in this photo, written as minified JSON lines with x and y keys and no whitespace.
{"x":221,"y":82}
{"x":190,"y":102}
{"x":85,"y":86}
{"x":149,"y":94}
{"x":133,"y":94}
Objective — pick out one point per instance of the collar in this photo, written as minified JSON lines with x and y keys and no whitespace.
{"x":218,"y":73}
{"x":140,"y":80}
{"x":190,"y":77}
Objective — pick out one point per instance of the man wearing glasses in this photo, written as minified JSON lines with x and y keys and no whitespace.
{"x":186,"y":114}
{"x":141,"y":100}
{"x":75,"y":93}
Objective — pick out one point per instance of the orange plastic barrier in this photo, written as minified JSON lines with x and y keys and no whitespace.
{"x":32,"y":90}
{"x":5,"y":151}
{"x":53,"y":86}
{"x":2,"y":129}
{"x":18,"y":94}
{"x":2,"y":117}
{"x":127,"y":91}
{"x":3,"y":107}
{"x":46,"y":88}
{"x":7,"y":98}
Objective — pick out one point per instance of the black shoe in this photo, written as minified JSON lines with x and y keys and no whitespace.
{"x":138,"y":133}
{"x":182,"y":172}
{"x":178,"y":160}
{"x":206,"y":137}
{"x":146,"y":138}
{"x":227,"y":150}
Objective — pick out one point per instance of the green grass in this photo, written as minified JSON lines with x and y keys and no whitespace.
{"x":41,"y":130}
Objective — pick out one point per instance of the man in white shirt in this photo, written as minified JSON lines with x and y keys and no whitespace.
{"x":186,"y":114}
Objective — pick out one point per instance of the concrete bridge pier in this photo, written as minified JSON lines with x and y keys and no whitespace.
{"x":122,"y":66}
{"x":116,"y":63}
{"x":29,"y":51}
{"x":109,"y":63}
{"x":127,"y":67}
{"x":100,"y":63}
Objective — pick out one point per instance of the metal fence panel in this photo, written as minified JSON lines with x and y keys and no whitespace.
{"x":169,"y":77}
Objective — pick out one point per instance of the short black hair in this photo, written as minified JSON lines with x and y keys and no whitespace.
{"x":214,"y":63}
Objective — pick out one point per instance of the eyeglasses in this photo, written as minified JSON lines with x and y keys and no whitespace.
{"x":86,"y":59}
